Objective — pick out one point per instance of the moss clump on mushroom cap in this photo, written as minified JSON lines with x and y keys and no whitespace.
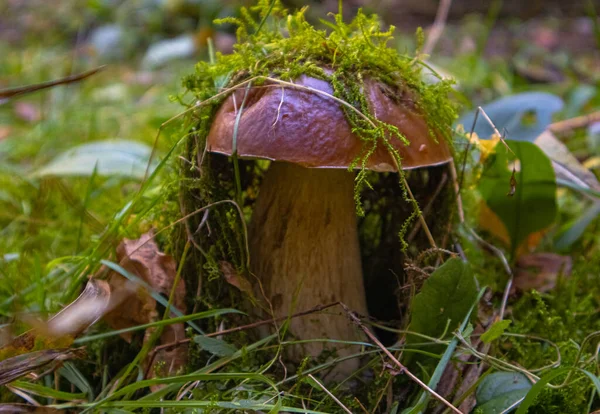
{"x":272,"y":43}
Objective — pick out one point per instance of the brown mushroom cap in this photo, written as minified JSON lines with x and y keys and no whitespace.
{"x":310,"y":129}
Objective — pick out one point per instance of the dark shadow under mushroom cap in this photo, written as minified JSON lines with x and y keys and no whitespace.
{"x":309,"y":129}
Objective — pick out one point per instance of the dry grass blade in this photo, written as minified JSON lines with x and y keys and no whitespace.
{"x":575,"y":123}
{"x":21,"y":90}
{"x":333,"y":397}
{"x":438,"y":26}
{"x":21,"y":365}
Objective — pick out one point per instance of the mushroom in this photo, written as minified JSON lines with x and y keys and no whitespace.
{"x":303,"y":234}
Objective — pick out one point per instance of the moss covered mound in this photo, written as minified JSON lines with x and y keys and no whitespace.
{"x":273,"y":44}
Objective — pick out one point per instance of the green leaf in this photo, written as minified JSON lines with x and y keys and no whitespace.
{"x":113,"y":157}
{"x":215,"y":346}
{"x":447,"y":294}
{"x":500,"y":391}
{"x":532,"y":207}
{"x":524,"y":116}
{"x":495,"y":331}
{"x":566,"y":165}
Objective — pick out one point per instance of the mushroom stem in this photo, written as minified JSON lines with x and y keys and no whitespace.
{"x":304,"y":249}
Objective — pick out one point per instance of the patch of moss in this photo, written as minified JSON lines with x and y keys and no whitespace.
{"x":566,"y":316}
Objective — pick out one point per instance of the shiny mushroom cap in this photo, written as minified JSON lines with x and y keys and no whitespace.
{"x":309,"y":129}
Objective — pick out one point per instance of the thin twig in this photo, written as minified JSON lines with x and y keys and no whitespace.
{"x":279,"y":107}
{"x":20,"y":90}
{"x":438,"y":26}
{"x":361,"y":405}
{"x":428,"y":207}
{"x":500,"y":136}
{"x":403,"y":369}
{"x":333,"y":397}
{"x":574,"y":123}
{"x":459,"y":204}
{"x":421,"y":218}
{"x":244,"y":327}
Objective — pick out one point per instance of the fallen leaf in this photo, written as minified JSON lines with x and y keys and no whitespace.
{"x":60,"y":330}
{"x":524,"y":116}
{"x":115,"y":157}
{"x":540,"y":271}
{"x":143,"y":258}
{"x":458,"y":377}
{"x":566,"y":166}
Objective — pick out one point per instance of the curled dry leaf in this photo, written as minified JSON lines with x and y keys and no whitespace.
{"x":87,"y":309}
{"x":120,"y":302}
{"x":540,"y":271}
{"x":60,"y":330}
{"x":143,"y":258}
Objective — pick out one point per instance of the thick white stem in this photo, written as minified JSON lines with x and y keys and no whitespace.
{"x":304,"y":249}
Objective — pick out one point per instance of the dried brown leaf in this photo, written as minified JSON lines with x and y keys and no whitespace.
{"x":60,"y":330}
{"x":143,"y":258}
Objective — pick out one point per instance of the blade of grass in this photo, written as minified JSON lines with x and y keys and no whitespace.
{"x":47,"y":392}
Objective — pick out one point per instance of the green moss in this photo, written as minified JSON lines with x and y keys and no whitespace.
{"x":566,"y":316}
{"x":286,"y":46}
